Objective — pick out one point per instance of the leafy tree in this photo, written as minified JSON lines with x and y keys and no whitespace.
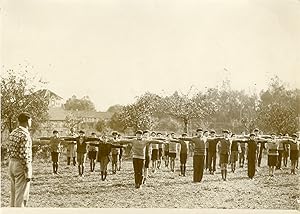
{"x":117,"y":122}
{"x":100,"y":126}
{"x":72,"y":120}
{"x":19,"y":93}
{"x":186,"y":107}
{"x":115,"y":108}
{"x":83,"y":104}
{"x":279,"y":108}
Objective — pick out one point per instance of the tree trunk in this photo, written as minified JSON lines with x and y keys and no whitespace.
{"x":185,"y":121}
{"x":10,"y":125}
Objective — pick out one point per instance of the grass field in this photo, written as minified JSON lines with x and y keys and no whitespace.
{"x":163,"y":190}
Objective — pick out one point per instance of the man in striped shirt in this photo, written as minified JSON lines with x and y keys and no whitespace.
{"x":20,"y":159}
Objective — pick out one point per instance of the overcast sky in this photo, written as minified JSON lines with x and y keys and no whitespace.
{"x":114,"y":50}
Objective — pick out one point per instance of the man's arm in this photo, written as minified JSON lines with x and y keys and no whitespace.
{"x":44,"y":138}
{"x":89,"y":139}
{"x":125,"y":141}
{"x":155,"y":142}
{"x":69,"y":138}
{"x":186,"y":138}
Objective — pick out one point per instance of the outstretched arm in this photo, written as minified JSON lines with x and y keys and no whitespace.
{"x":156,"y":142}
{"x":186,"y":138}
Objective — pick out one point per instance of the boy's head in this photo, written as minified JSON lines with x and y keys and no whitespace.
{"x":139,"y":134}
{"x":199,"y":132}
{"x":153,"y":134}
{"x":81,"y":133}
{"x":226,"y":133}
{"x":55,"y":133}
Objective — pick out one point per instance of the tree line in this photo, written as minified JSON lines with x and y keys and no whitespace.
{"x":276,"y":109}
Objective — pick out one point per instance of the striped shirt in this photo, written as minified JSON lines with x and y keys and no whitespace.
{"x":20,"y":147}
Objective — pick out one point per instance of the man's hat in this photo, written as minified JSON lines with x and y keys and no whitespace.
{"x":256,"y":130}
{"x":55,"y":131}
{"x":153,"y":133}
{"x":226,"y":131}
{"x":252,"y":134}
{"x":184,"y":134}
{"x":212,"y":131}
{"x":139,"y":132}
{"x":145,"y":131}
{"x":294,"y":135}
{"x":199,"y":130}
{"x":24,"y":117}
{"x":172,"y":133}
{"x":205,"y":131}
{"x":114,"y":133}
{"x":273,"y":133}
{"x":81,"y":132}
{"x":280,"y":134}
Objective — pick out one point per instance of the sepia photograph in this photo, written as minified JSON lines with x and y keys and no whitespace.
{"x":163,"y":106}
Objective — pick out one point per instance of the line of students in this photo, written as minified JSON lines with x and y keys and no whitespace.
{"x":146,"y":147}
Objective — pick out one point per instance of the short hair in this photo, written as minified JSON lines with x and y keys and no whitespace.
{"x":199,"y":130}
{"x":294,"y":135}
{"x":252,"y":134}
{"x":256,"y":130}
{"x":55,"y":132}
{"x":114,"y":133}
{"x":139,"y":132}
{"x":81,"y":132}
{"x":24,"y":117}
{"x":146,"y":131}
{"x":153,"y":133}
{"x":226,"y":131}
{"x":184,"y":134}
{"x":212,"y":131}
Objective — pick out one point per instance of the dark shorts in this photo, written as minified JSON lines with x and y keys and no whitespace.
{"x":92,"y":154}
{"x":172,"y":155}
{"x":54,"y":156}
{"x":223,"y":158}
{"x":272,"y":160}
{"x":166,"y":153}
{"x":114,"y":158}
{"x":160,"y":153}
{"x":154,"y":154}
{"x":147,"y":161}
{"x":234,"y":156}
{"x":294,"y":155}
{"x":183,"y":158}
{"x":81,"y":158}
